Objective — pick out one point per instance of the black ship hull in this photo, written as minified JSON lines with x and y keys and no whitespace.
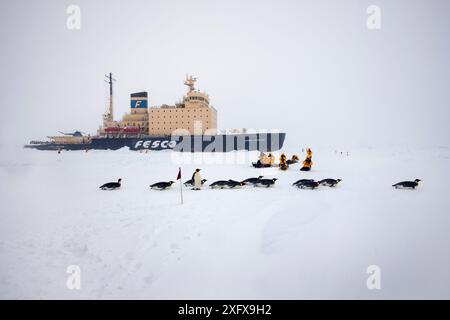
{"x":264,"y":142}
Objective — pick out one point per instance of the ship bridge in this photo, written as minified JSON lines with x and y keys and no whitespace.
{"x":193,"y":114}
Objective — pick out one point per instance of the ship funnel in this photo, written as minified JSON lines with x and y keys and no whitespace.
{"x":139,"y":100}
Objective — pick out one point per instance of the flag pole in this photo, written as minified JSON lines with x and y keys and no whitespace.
{"x":181,"y":187}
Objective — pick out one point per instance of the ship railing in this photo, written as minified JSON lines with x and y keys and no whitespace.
{"x":120,"y":135}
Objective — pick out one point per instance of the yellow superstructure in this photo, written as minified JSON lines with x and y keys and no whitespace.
{"x":194,"y":114}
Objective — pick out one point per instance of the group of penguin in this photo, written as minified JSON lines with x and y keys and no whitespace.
{"x":258,"y":182}
{"x":231,"y":184}
{"x":311,"y":184}
{"x":220,"y":184}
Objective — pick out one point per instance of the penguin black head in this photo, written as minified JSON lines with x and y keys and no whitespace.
{"x":204,"y":180}
{"x":171,"y":182}
{"x":197,"y":170}
{"x":338,"y":180}
{"x":120,"y":179}
{"x":274,"y":179}
{"x":417,"y":180}
{"x":260,"y":177}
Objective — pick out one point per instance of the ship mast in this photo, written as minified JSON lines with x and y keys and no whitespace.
{"x":190,"y":82}
{"x":109,"y":115}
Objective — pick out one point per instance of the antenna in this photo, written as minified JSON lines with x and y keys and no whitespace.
{"x":190,"y":82}
{"x":109,"y":79}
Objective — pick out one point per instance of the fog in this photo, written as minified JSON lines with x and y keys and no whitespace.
{"x":310,"y":68}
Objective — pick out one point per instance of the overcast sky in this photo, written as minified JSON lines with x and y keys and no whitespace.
{"x":310,"y":68}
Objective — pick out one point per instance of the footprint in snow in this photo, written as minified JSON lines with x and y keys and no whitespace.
{"x":129,"y":256}
{"x":149,"y":279}
{"x":174,"y":247}
{"x":137,"y":266}
{"x":79,"y":251}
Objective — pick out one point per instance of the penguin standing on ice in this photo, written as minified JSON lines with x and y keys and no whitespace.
{"x":266,"y":182}
{"x":111,"y":185}
{"x":407,"y":184}
{"x":161,"y":185}
{"x":329,"y":182}
{"x":251,"y":181}
{"x":197,"y":179}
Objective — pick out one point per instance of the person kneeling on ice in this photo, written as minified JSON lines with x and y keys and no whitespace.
{"x":197,"y":179}
{"x":283,"y":163}
{"x":271,"y":159}
{"x":264,"y":161}
{"x":294,"y":159}
{"x":307,"y":164}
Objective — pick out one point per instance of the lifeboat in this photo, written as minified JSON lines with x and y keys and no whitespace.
{"x":112,"y":130}
{"x":131,"y":130}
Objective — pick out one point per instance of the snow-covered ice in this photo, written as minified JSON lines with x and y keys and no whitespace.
{"x":251,"y":243}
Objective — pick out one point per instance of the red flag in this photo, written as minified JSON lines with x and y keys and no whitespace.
{"x":179,"y":174}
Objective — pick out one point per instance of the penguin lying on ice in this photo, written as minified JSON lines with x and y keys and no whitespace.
{"x":233,"y":184}
{"x":190,"y":183}
{"x":251,"y":181}
{"x":308,"y":185}
{"x":111,"y":185}
{"x":161,"y":185}
{"x":222,"y":184}
{"x":296,"y":183}
{"x":219,"y":184}
{"x":329,"y":182}
{"x":407,"y":184}
{"x":266,"y":182}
